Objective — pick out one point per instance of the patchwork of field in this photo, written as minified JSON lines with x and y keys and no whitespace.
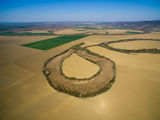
{"x":88,"y":30}
{"x":26,"y":94}
{"x":123,"y":31}
{"x":68,"y":32}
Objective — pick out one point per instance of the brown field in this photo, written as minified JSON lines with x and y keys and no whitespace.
{"x":26,"y":94}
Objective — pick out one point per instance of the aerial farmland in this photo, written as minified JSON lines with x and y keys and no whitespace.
{"x":75,"y":71}
{"x":80,"y":60}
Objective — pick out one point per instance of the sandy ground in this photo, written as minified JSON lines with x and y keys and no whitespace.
{"x":136,"y":45}
{"x":78,"y":67}
{"x":26,"y":94}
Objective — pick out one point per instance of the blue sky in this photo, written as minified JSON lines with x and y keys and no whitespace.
{"x":78,"y":10}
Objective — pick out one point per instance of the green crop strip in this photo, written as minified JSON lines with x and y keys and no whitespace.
{"x":53,"y":42}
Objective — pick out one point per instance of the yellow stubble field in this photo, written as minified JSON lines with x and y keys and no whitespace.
{"x":26,"y":94}
{"x":68,"y":32}
{"x":77,"y":67}
{"x":133,"y":45}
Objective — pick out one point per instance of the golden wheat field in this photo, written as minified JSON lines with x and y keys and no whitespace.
{"x":75,"y":66}
{"x":26,"y":94}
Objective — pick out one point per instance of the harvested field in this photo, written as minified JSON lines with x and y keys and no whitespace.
{"x":26,"y":94}
{"x":141,"y":50}
{"x":136,"y":83}
{"x":76,"y":67}
{"x":17,"y":40}
{"x":97,"y":31}
{"x":69,"y":32}
{"x":134,"y":45}
{"x":97,"y":39}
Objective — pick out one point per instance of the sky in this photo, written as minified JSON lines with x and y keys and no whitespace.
{"x":78,"y":10}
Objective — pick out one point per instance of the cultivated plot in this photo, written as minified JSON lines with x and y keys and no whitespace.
{"x":53,"y":42}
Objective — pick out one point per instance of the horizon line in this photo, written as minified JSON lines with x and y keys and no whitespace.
{"x":79,"y":21}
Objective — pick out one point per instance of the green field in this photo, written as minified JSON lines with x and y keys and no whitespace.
{"x":133,"y":32}
{"x":53,"y":42}
{"x":23,"y":34}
